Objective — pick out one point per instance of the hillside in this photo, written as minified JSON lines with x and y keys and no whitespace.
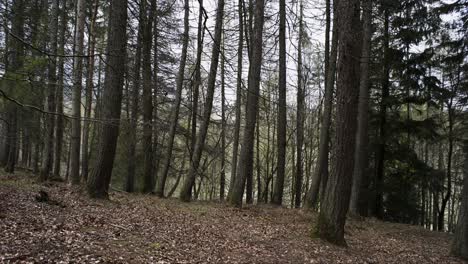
{"x":143,"y":229}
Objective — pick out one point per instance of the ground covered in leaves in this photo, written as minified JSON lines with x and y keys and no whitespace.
{"x":70,"y":228}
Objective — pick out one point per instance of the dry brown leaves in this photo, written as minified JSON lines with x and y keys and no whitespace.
{"x":144,"y":229}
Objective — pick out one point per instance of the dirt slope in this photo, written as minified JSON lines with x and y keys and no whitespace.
{"x":144,"y":229}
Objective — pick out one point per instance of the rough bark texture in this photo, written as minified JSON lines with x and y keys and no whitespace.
{"x":380,"y":153}
{"x":335,"y":205}
{"x":99,"y":179}
{"x":186,"y":192}
{"x":59,"y":124}
{"x":237,"y":124}
{"x":148,"y":182}
{"x":131,"y":168}
{"x":50,"y":98}
{"x":358,"y":203}
{"x":75,"y":139}
{"x":246,"y":155}
{"x":222,"y":178}
{"x":89,"y":92}
{"x":460,"y":240}
{"x":282,"y":122}
{"x":176,"y":107}
{"x":320,"y":175}
{"x":299,"y":116}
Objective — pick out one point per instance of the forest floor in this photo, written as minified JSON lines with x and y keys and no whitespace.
{"x":71,"y":228}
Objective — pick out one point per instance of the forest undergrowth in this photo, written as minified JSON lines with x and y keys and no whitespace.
{"x":55,"y":223}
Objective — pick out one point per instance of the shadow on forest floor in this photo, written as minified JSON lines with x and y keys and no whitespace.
{"x":144,"y":229}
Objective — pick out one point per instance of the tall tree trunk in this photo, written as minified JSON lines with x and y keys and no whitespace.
{"x":246,"y":156}
{"x":131,"y":168}
{"x":358,"y":202}
{"x":237,"y":124}
{"x":460,"y":240}
{"x":76,"y":95}
{"x":335,"y":205}
{"x":222,"y":178}
{"x":186,"y":192}
{"x":446,"y":198}
{"x":176,"y":107}
{"x":282,"y":122}
{"x":59,"y":122}
{"x":89,"y":92}
{"x":380,"y":155}
{"x":299,"y":115}
{"x":148,"y":182}
{"x":15,"y":63}
{"x":50,"y":98}
{"x":320,"y":176}
{"x":99,"y":179}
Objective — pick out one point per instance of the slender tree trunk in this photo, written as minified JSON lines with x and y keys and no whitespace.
{"x":335,"y":205}
{"x":89,"y":92}
{"x":59,"y":122}
{"x":282,"y":122}
{"x":99,"y":179}
{"x":299,"y":115}
{"x":222,"y":178}
{"x":237,"y":124}
{"x":186,"y":193}
{"x":446,"y":198}
{"x":460,"y":241}
{"x":380,"y":155}
{"x":358,"y":202}
{"x":148,"y":100}
{"x":76,"y":95}
{"x":320,"y":176}
{"x":246,"y":155}
{"x":50,"y":98}
{"x":131,"y":168}
{"x":176,"y":107}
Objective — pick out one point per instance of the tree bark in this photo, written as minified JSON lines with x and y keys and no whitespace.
{"x":186,"y":192}
{"x":299,"y":115}
{"x":358,"y":202}
{"x":59,"y":122}
{"x":148,"y":99}
{"x":246,"y":156}
{"x":335,"y":205}
{"x":277,"y":198}
{"x":320,"y":176}
{"x":76,"y":94}
{"x":460,"y":240}
{"x":176,"y":107}
{"x":99,"y":179}
{"x":89,"y":92}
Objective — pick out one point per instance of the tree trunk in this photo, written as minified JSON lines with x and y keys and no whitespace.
{"x":222,"y":178}
{"x":380,"y":155}
{"x":76,"y":95}
{"x":59,"y":122}
{"x":186,"y":193}
{"x":320,"y":175}
{"x":237,"y":124}
{"x":89,"y":93}
{"x":448,"y":194}
{"x":148,"y":182}
{"x":131,"y":168}
{"x":460,"y":240}
{"x":299,"y":115}
{"x":358,"y":202}
{"x":176,"y":107}
{"x":50,"y":98}
{"x":246,"y":155}
{"x":99,"y":179}
{"x":332,"y":217}
{"x":282,"y":122}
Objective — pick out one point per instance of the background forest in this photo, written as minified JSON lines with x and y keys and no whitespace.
{"x":258,"y":102}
